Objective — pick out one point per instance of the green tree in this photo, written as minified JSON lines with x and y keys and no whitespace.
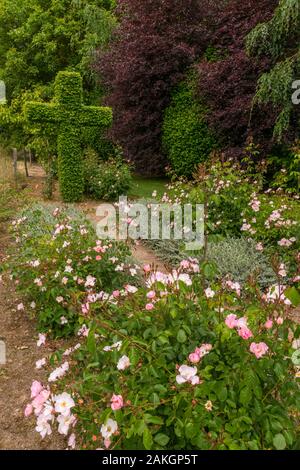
{"x":39,"y":38}
{"x":280,"y":39}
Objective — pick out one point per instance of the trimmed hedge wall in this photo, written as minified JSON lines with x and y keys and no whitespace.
{"x":70,"y":116}
{"x":186,"y":139}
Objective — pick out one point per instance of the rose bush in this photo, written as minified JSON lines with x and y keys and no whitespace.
{"x":238,"y":205}
{"x":59,"y":264}
{"x":175,"y":365}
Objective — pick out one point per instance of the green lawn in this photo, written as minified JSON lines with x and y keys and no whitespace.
{"x":143,"y":187}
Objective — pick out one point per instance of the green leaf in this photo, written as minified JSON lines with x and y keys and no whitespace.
{"x":296,"y":358}
{"x":140,"y":427}
{"x":279,"y":442}
{"x":153,"y":419}
{"x":161,"y":439}
{"x":221,"y":391}
{"x":293,"y":295}
{"x":91,"y":343}
{"x":246,"y":395}
{"x":181,"y":336}
{"x":147,"y":439}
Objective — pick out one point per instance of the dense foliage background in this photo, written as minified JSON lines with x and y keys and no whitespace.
{"x":133,"y":54}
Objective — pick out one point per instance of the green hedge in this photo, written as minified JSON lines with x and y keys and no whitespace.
{"x":187,"y":139}
{"x":71,"y":117}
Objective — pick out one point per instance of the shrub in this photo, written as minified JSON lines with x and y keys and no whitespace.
{"x":186,"y":137}
{"x":59,"y":263}
{"x":239,"y":259}
{"x":154,"y":46}
{"x":237,"y":206}
{"x":108,"y":180}
{"x":284,"y":170}
{"x":10,"y":200}
{"x":229,"y":85}
{"x":189,"y":369}
{"x":69,"y":115}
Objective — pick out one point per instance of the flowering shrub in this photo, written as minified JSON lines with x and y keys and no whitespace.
{"x":108,"y":180}
{"x":173,"y":365}
{"x":60,"y":264}
{"x":237,"y":205}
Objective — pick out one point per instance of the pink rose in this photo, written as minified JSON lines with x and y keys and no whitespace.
{"x":279,"y":321}
{"x":28,"y":410}
{"x":194,"y":358}
{"x":39,"y":401}
{"x":268,"y":324}
{"x":149,"y":306}
{"x":116,"y":402}
{"x":245,"y":333}
{"x":147,"y":268}
{"x":231,"y":321}
{"x":259,"y":349}
{"x":107,"y":443}
{"x":36,"y":388}
{"x":151,"y":294}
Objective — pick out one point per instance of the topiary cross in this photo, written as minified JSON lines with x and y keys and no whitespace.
{"x":70,"y":115}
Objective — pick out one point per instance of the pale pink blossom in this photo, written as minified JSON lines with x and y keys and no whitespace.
{"x":40,"y":363}
{"x":269,"y":324}
{"x":83,"y":331}
{"x":123,"y":363}
{"x":185,"y":264}
{"x":276,"y":293}
{"x":63,"y":403}
{"x":194,"y":358}
{"x":259,"y":349}
{"x":245,"y":333}
{"x":131,"y":289}
{"x":43,"y":426}
{"x":59,"y":372}
{"x":28,"y":410}
{"x":187,"y":374}
{"x":231,"y":321}
{"x":90,"y":281}
{"x":151,"y":294}
{"x":259,"y":247}
{"x":203,"y":350}
{"x":85,"y":308}
{"x":39,"y":401}
{"x":36,"y":388}
{"x":285,"y":242}
{"x":64,"y":423}
{"x":282,"y":270}
{"x":209,"y":293}
{"x":72,"y":441}
{"x":107,"y":443}
{"x":149,"y":306}
{"x":116,"y":402}
{"x":235,"y":286}
{"x":109,"y":428}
